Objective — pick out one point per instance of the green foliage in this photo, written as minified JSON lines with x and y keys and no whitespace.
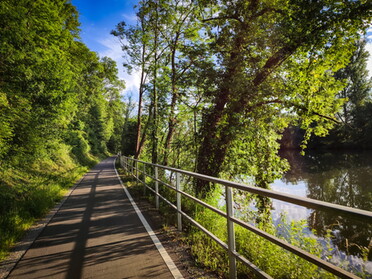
{"x":129,"y":138}
{"x":352,"y":131}
{"x":80,"y":147}
{"x":52,"y":81}
{"x":5,"y":129}
{"x":221,"y":80}
{"x":274,"y":260}
{"x":275,"y":61}
{"x":59,"y":102}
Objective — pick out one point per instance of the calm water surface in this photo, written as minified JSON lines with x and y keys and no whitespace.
{"x":339,"y":178}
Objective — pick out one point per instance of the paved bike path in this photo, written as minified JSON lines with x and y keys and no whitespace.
{"x":95,"y":234}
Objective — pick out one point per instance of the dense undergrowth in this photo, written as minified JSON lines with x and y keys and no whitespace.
{"x":274,"y":260}
{"x":30,"y":187}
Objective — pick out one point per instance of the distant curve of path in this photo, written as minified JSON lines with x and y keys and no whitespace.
{"x":95,"y":234}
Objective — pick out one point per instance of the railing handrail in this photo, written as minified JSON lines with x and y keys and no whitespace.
{"x":363,"y":215}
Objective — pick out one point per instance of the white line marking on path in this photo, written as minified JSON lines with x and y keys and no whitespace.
{"x":167,"y":259}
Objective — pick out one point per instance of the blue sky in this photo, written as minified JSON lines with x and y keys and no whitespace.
{"x":99,"y":17}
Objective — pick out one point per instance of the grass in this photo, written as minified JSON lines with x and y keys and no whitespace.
{"x":29,"y":191}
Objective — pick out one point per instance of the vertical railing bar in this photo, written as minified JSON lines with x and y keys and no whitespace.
{"x":136,"y":169}
{"x":230,"y":233}
{"x":156,"y":188}
{"x":144,"y":179}
{"x":178,"y":197}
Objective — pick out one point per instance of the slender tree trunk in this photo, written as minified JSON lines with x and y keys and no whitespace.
{"x":138,"y":135}
{"x":172,"y":119}
{"x":213,"y":148}
{"x":140,"y":99}
{"x":154,"y":153}
{"x":149,"y":120}
{"x":126,"y":121}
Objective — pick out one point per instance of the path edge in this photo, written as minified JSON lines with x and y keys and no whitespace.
{"x":164,"y":254}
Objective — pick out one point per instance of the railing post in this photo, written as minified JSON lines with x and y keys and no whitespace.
{"x":230,"y":233}
{"x":122,"y":163}
{"x":178,"y":197}
{"x":136,"y":169}
{"x":144,"y":179}
{"x":156,"y":188}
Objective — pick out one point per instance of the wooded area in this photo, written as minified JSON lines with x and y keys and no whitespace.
{"x":222,"y":80}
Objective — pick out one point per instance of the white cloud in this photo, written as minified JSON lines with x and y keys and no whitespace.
{"x":113,"y":47}
{"x":130,"y":19}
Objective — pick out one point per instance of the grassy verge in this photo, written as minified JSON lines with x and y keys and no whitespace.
{"x":274,"y":260}
{"x":29,"y":191}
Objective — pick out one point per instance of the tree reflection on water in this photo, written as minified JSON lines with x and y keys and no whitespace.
{"x":339,"y":178}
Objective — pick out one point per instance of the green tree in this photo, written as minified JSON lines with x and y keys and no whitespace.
{"x":36,"y":73}
{"x":183,"y":42}
{"x":170,"y":34}
{"x":137,"y":52}
{"x":101,"y":110}
{"x":275,"y":65}
{"x":259,"y":67}
{"x":358,"y":84}
{"x":353,"y":129}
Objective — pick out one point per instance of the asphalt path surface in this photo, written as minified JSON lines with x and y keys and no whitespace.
{"x":95,"y":234}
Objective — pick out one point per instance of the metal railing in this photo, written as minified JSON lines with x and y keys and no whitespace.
{"x":132,"y":165}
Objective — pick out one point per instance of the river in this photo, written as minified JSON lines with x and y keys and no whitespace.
{"x":339,"y":178}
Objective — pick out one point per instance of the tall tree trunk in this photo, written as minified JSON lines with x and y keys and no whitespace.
{"x":172,"y":119}
{"x":219,"y":122}
{"x":149,"y":119}
{"x":140,"y":99}
{"x":154,"y":152}
{"x":126,"y":121}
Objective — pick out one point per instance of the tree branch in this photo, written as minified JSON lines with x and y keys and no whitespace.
{"x":235,"y":17}
{"x":277,"y":101}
